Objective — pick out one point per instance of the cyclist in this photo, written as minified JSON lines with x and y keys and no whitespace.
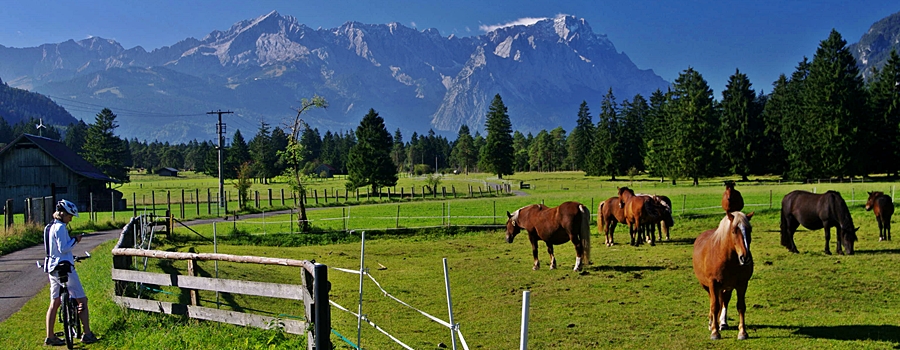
{"x":59,"y":253}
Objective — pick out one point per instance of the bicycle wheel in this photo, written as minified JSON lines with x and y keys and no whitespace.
{"x":75,"y":321}
{"x":67,"y":318}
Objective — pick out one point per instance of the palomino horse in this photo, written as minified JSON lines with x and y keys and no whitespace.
{"x":732,"y":199}
{"x":884,"y":208}
{"x":723,"y":263}
{"x":817,"y":211}
{"x":640,"y":211}
{"x":570,"y":221}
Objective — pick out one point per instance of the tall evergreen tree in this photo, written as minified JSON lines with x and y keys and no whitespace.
{"x":398,"y":151}
{"x":6,"y":132}
{"x":104,"y":149}
{"x":797,"y":134}
{"x":497,"y":154}
{"x":262,"y":153}
{"x":75,"y":135}
{"x":520,"y":149}
{"x":607,"y":152}
{"x":694,"y":125}
{"x":884,"y":103}
{"x":835,"y":102}
{"x":369,"y":162}
{"x":235,"y":155}
{"x":658,"y":137}
{"x":740,"y":126}
{"x":582,"y":137}
{"x":633,"y":133}
{"x":464,"y":153}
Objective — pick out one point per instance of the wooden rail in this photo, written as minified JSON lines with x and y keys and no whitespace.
{"x":313,"y":290}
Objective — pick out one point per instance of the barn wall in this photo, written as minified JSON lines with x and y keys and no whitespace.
{"x":26,"y":171}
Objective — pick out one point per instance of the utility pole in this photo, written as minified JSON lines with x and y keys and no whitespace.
{"x":220,"y":130}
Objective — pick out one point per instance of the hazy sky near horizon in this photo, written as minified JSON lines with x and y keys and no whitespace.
{"x":761,"y":38}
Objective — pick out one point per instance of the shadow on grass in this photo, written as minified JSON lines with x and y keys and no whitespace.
{"x":880,"y":333}
{"x":877,"y":251}
{"x":677,"y":241}
{"x":625,"y":268}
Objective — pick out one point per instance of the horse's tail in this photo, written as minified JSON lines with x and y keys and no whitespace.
{"x":786,"y":240}
{"x":586,"y":232}
{"x":601,"y":219}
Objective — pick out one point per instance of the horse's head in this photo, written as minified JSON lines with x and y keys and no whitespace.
{"x":512,"y":225}
{"x":850,"y":238}
{"x":870,"y":203}
{"x":741,"y":235}
{"x":624,"y":194}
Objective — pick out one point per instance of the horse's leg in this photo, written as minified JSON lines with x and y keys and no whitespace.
{"x":534,"y":248}
{"x":828,"y":240}
{"x":742,"y":309}
{"x":552,"y":257}
{"x":791,"y":225}
{"x":887,"y":227}
{"x":610,"y":230}
{"x":839,"y":239}
{"x":579,"y":252}
{"x":650,"y":228}
{"x":714,"y":296}
{"x":880,"y":228}
{"x":723,"y":317}
{"x":631,"y":232}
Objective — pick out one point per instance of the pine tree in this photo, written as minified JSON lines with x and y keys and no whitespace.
{"x":658,"y":138}
{"x":398,"y":151}
{"x":105,"y":150}
{"x":884,"y":102}
{"x":520,"y":149}
{"x":464,"y":153}
{"x":235,"y":155}
{"x":740,"y":126}
{"x":369,"y":162}
{"x":262,"y":153}
{"x":797,"y":134}
{"x":497,"y":154}
{"x":582,"y":137}
{"x":75,"y":135}
{"x":607,"y":151}
{"x":694,"y":126}
{"x":835,"y":103}
{"x":633,"y":133}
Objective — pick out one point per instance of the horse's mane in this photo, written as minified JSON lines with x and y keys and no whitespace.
{"x":515,"y":214}
{"x":740,"y":219}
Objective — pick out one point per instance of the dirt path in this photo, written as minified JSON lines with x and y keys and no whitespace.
{"x":21,"y":279}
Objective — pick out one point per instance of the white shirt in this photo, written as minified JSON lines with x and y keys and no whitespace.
{"x":56,"y":235}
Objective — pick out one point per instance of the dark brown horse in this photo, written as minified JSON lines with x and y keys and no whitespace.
{"x":640,"y":212}
{"x":570,"y":221}
{"x":732,"y":199}
{"x":817,"y":211}
{"x":884,"y":208}
{"x":665,"y":220}
{"x":723,"y":263}
{"x":609,"y":213}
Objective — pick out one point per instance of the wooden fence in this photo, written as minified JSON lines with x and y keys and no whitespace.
{"x":313,"y":291}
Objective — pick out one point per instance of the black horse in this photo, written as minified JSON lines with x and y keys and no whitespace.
{"x":814,"y":212}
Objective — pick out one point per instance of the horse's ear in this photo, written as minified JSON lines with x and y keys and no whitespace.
{"x":749,"y":216}
{"x":508,"y":215}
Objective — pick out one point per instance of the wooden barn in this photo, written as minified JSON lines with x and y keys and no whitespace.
{"x":167,"y":172}
{"x":33,"y":166}
{"x":324,"y":170}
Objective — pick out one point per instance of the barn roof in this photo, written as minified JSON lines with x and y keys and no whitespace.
{"x":63,"y":154}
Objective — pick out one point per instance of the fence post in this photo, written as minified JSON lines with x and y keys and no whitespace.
{"x":182,"y":203}
{"x":398,"y":216}
{"x":8,"y":215}
{"x":282,"y":197}
{"x":321,"y":288}
{"x":453,"y":188}
{"x":112,"y":204}
{"x":494,"y":218}
{"x":192,"y":266}
{"x":91,"y":206}
{"x":325,"y":191}
{"x":770,"y":199}
{"x":683,"y":203}
{"x":133,"y":204}
{"x":523,"y":335}
{"x":256,"y":198}
{"x":316,"y":194}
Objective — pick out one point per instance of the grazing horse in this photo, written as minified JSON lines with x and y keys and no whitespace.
{"x":723,"y":263}
{"x":664,"y":221}
{"x":817,"y":211}
{"x":884,"y":208}
{"x":640,"y":212}
{"x":609,"y":213}
{"x":570,"y":221}
{"x":732,"y":199}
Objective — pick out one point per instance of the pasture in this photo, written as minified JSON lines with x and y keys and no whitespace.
{"x":631,"y":297}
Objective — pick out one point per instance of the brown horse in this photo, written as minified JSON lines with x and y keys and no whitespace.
{"x":817,"y":211}
{"x":640,"y":211}
{"x":732,"y":199}
{"x":884,"y":208}
{"x":723,"y":263}
{"x":609,"y":213}
{"x":665,"y":221}
{"x":570,"y":221}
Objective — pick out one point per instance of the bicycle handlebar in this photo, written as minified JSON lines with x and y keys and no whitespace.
{"x":77,"y":259}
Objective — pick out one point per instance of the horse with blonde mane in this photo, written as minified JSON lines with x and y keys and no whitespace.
{"x":569,"y":221}
{"x":723,"y":263}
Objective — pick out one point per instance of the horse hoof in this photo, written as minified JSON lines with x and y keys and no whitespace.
{"x":723,"y":326}
{"x":743,"y":336}
{"x":827,"y":252}
{"x":715,"y":336}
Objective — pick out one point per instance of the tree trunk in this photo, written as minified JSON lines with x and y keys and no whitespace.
{"x":744,"y":178}
{"x":302,"y":221}
{"x":500,"y":176}
{"x":673,"y":181}
{"x":696,"y":181}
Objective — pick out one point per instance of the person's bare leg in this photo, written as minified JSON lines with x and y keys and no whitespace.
{"x":51,"y":317}
{"x":83,"y":314}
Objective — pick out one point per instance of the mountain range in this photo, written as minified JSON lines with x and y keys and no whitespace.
{"x":261,"y":69}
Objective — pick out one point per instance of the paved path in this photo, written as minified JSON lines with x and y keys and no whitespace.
{"x":21,"y":279}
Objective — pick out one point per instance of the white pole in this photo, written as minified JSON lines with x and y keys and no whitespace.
{"x":362,"y":271}
{"x":216,"y":250}
{"x":523,"y":337}
{"x":449,"y":304}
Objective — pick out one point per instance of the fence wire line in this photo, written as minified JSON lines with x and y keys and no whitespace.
{"x":370,"y":323}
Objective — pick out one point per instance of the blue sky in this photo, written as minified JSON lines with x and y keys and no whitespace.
{"x":761,"y":38}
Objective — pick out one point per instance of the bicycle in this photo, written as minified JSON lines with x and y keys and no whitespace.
{"x":68,"y":314}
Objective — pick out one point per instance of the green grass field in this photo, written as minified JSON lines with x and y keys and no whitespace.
{"x":631,"y":297}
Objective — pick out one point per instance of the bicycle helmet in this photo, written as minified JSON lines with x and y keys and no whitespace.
{"x":67,"y":206}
